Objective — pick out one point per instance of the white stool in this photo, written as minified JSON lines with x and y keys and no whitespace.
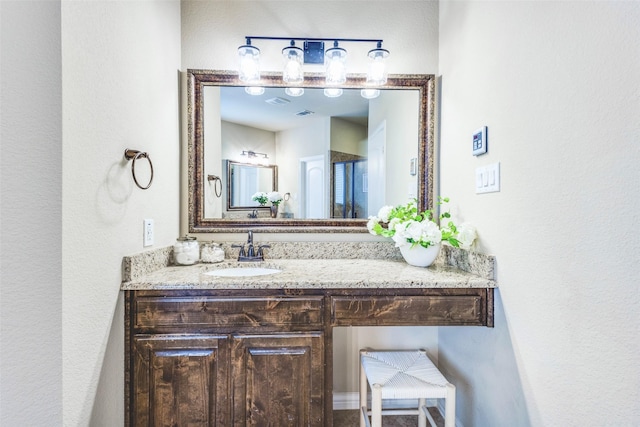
{"x":403,"y":374}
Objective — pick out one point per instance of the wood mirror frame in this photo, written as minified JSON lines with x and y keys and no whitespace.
{"x":198,"y":79}
{"x":274,"y":184}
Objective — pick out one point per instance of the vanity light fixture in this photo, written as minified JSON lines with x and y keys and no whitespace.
{"x":253,"y":155}
{"x":313,"y":53}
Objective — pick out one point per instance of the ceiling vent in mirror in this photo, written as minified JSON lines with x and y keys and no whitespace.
{"x":304,"y":113}
{"x":277,"y":101}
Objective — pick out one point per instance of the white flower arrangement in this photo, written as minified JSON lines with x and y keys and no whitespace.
{"x":260,"y":197}
{"x":275,"y":198}
{"x":407,"y":226}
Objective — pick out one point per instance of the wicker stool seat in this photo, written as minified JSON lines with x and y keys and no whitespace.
{"x":404,"y":374}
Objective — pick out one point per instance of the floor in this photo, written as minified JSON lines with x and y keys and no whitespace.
{"x":350,"y":419}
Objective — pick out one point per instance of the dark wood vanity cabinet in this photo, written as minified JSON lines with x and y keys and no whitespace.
{"x":278,"y":379}
{"x":200,"y":359}
{"x":261,"y":357}
{"x":180,"y":380}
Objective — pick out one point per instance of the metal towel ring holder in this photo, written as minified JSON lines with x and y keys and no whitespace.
{"x":135,"y":155}
{"x":217,"y":184}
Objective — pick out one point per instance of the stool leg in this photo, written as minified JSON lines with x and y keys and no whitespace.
{"x":422,"y":417}
{"x":376,"y":405}
{"x":363,"y":394}
{"x":450,"y":407}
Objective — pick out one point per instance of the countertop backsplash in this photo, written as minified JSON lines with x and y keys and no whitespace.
{"x":140,"y":264}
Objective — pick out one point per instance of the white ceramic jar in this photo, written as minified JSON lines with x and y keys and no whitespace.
{"x":186,"y":251}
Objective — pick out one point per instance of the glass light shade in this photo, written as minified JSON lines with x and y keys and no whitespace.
{"x":292,"y":72}
{"x":336,"y":66}
{"x":370,"y":93}
{"x":294,"y":91}
{"x":254,"y":90}
{"x":377,"y":69}
{"x":332,"y":92}
{"x":249,"y":64}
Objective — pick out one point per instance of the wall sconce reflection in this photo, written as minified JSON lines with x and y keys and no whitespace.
{"x":254,"y":157}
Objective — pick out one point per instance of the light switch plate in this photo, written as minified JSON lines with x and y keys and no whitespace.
{"x":480,"y":141}
{"x":488,"y":178}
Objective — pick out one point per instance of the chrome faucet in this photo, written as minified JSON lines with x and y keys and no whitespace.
{"x":251,"y":254}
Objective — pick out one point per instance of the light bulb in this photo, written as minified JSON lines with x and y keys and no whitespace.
{"x":369,"y":93}
{"x":249,"y":66}
{"x":332,"y":92}
{"x":292,"y":72}
{"x":294,"y":91}
{"x":336,"y":65}
{"x":254,"y":90}
{"x":376,"y":69}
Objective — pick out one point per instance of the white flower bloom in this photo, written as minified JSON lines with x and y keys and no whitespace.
{"x":260,"y":197}
{"x":466,"y":235}
{"x":414,"y":230}
{"x":384,"y":212}
{"x":372,"y":223}
{"x":400,"y":238}
{"x":432,"y":233}
{"x":274,"y":197}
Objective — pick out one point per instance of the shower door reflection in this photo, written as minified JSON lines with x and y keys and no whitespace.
{"x":350,"y":186}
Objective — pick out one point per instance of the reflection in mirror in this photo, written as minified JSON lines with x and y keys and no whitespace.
{"x":340,"y":159}
{"x":245,"y":179}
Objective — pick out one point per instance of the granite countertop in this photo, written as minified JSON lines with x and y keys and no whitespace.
{"x":313,"y":273}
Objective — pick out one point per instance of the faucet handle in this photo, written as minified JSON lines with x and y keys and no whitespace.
{"x":241,"y":249}
{"x":260,"y":249}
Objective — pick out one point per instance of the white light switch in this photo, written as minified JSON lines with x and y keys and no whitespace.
{"x":488,"y":178}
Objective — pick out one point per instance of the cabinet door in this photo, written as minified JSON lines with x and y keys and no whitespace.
{"x":180,"y":380}
{"x":278,"y":379}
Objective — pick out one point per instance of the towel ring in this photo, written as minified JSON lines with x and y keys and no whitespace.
{"x":135,"y":155}
{"x":217,"y":184}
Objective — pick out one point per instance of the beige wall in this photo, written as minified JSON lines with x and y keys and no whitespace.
{"x":557,"y":85}
{"x":120,"y":63}
{"x":348,"y":137}
{"x":401,"y":120}
{"x":292,"y":145}
{"x":31,"y":214}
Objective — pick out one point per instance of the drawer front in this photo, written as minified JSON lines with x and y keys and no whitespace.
{"x":408,"y":310}
{"x":152,"y":311}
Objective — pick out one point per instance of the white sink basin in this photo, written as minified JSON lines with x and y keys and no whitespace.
{"x":242,"y":271}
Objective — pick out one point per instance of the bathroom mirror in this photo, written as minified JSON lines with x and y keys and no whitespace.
{"x":398,"y":153}
{"x":246,"y":179}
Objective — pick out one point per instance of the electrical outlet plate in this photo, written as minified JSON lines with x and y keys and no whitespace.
{"x":147,"y":232}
